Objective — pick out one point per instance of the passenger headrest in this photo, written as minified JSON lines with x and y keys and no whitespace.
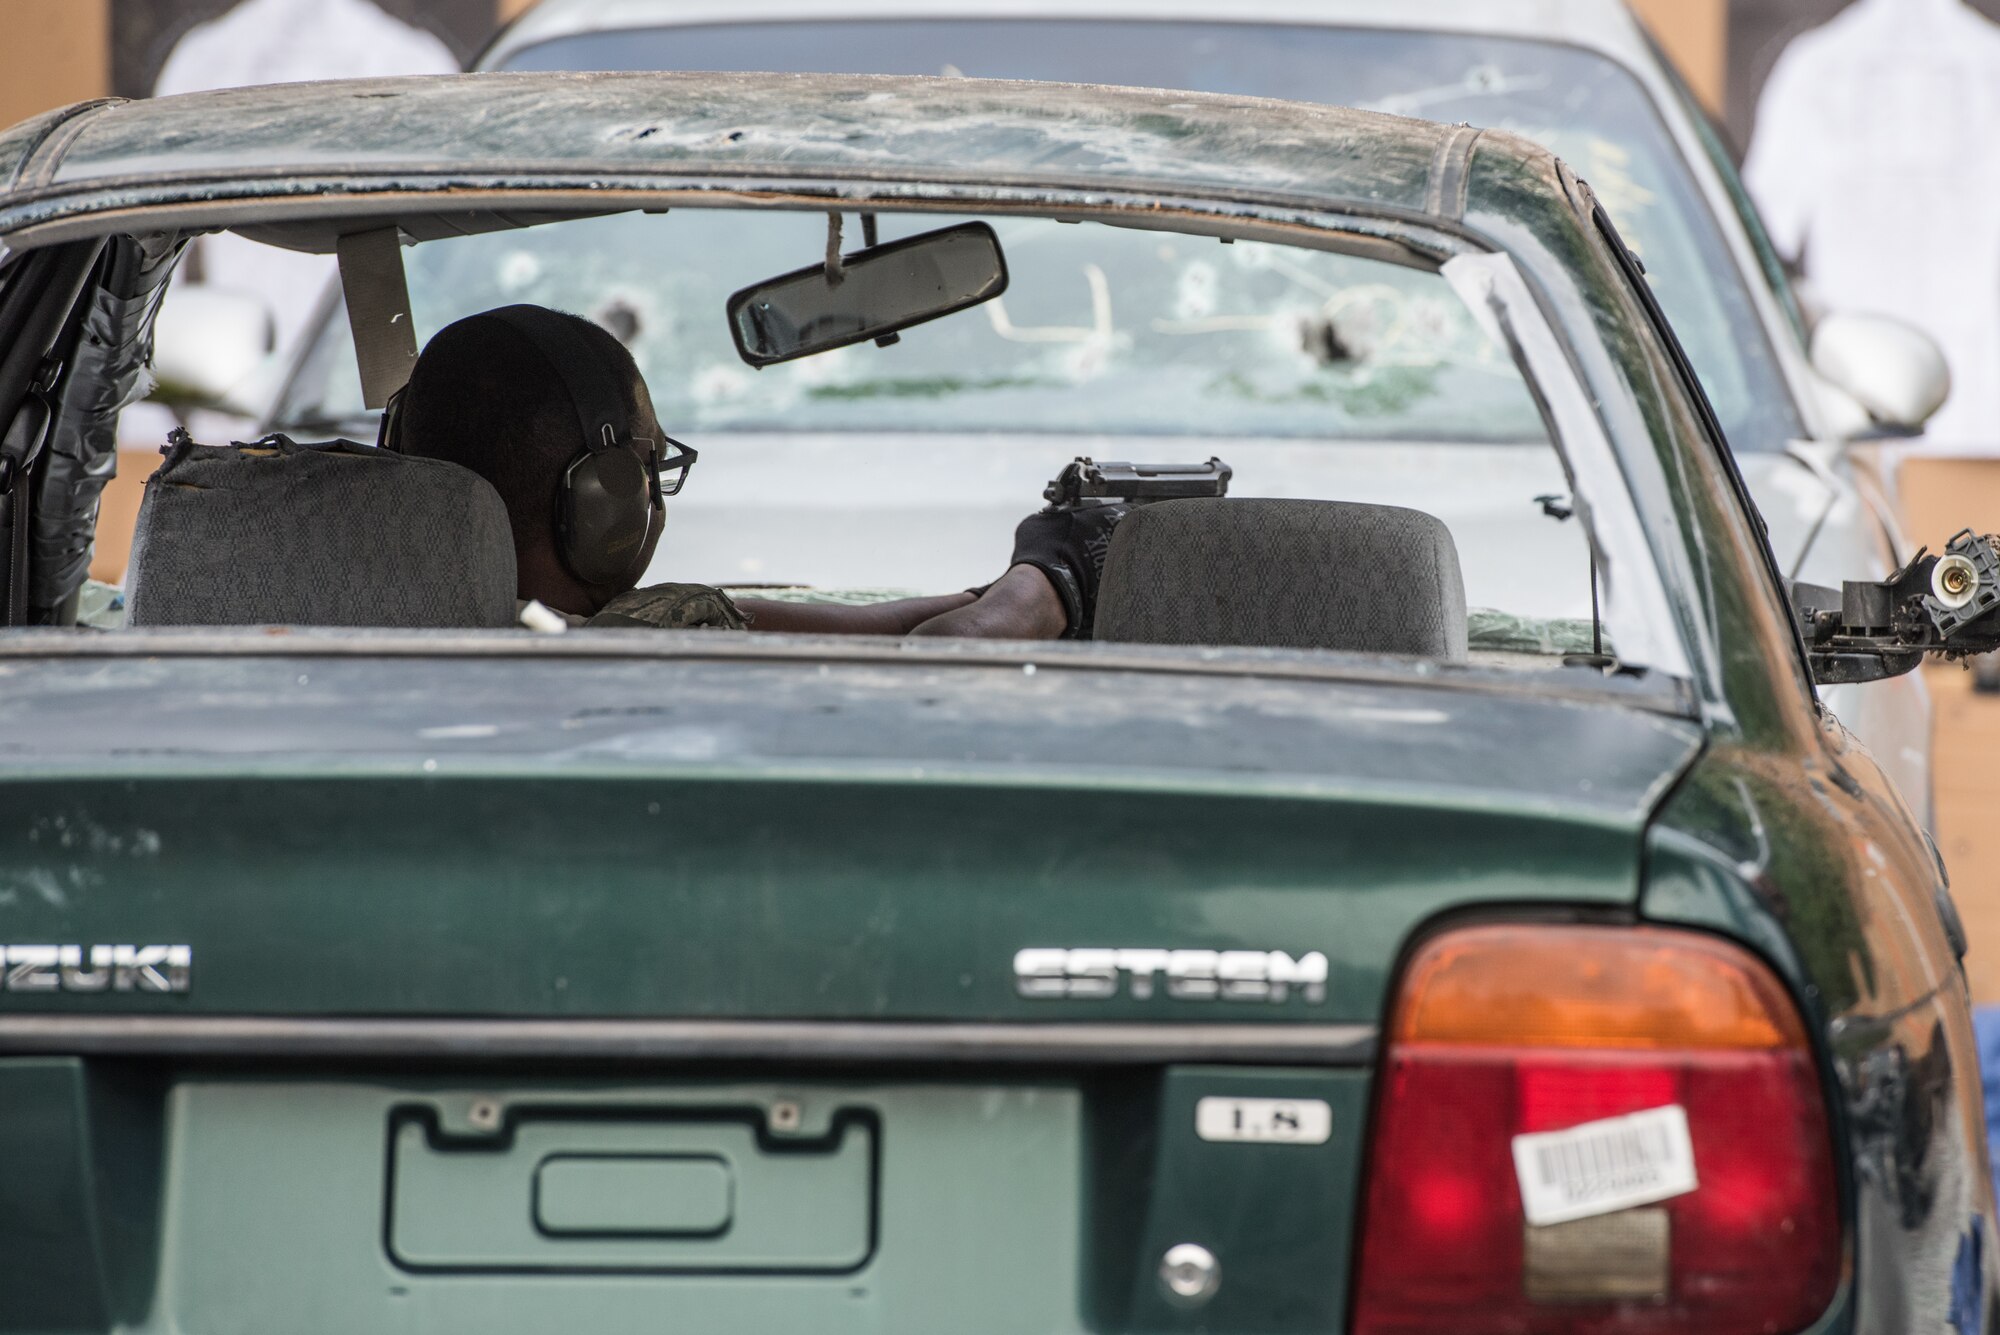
{"x":279,"y":533}
{"x":1293,"y":574}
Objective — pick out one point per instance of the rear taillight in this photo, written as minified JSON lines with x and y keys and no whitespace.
{"x":1503,"y":1031}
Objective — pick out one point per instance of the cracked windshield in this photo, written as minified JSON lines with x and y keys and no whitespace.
{"x":1589,"y":110}
{"x":1124,"y":333}
{"x":1312,"y":374}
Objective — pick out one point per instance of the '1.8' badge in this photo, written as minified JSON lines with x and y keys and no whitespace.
{"x":1267,"y":1121}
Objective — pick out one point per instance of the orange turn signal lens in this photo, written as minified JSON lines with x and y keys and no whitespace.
{"x":1529,"y":985}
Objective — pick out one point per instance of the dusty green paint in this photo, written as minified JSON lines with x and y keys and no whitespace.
{"x":679,"y":897}
{"x":757,"y":840}
{"x":618,"y":125}
{"x":1811,"y":860}
{"x":81,"y":1149}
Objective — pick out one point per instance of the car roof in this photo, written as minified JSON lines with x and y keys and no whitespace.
{"x":1606,"y":26}
{"x":506,"y":130}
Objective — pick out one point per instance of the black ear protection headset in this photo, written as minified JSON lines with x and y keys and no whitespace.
{"x":611,"y":498}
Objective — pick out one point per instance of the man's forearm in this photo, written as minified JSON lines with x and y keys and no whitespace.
{"x":1020,"y":605}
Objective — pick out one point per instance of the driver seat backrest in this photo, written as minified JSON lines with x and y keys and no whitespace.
{"x":283,"y":534}
{"x":1286,"y":573}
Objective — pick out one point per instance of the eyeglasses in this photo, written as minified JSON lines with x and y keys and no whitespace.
{"x":670,"y":470}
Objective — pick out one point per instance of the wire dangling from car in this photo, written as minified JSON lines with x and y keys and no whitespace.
{"x":1561,"y":508}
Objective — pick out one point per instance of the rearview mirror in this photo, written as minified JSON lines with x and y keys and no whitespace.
{"x":207,"y":341}
{"x":872,"y":293}
{"x":1891,"y":369}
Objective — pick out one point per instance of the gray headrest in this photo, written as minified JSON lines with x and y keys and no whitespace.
{"x":1292,"y":574}
{"x":284,"y":534}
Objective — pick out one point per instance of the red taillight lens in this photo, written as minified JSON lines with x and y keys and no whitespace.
{"x":1508,"y":1030}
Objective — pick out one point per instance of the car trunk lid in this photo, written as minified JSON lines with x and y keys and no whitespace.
{"x":871,"y":840}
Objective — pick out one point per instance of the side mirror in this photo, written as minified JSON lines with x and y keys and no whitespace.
{"x":1946,"y":604}
{"x":1891,"y":369}
{"x":207,"y":342}
{"x":872,"y":293}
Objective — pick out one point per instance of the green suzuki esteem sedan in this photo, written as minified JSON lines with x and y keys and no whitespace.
{"x":1319,"y":935}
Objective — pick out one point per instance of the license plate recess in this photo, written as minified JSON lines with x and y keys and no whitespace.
{"x":682,"y":1190}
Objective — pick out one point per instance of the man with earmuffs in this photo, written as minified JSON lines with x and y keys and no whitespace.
{"x":552,"y":410}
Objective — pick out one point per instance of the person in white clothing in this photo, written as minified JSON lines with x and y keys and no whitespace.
{"x":290,"y":41}
{"x":1872,"y":163}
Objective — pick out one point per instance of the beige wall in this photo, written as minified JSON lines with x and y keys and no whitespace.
{"x":54,"y":51}
{"x":1696,"y":34}
{"x":1939,"y":496}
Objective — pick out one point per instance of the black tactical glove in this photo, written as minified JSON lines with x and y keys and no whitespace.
{"x":1068,"y":545}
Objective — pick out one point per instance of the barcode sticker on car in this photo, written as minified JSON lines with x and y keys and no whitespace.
{"x":1603,"y":1166}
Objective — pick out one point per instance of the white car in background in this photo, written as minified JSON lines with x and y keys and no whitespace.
{"x":1578,"y":75}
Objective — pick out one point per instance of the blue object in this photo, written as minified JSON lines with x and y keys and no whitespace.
{"x":1986,"y":1023}
{"x":1967,"y":1279}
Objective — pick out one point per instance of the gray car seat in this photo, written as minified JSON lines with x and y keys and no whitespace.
{"x":279,"y":533}
{"x":1295,"y":574}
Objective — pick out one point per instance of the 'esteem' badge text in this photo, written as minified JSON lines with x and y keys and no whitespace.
{"x":1186,"y":975}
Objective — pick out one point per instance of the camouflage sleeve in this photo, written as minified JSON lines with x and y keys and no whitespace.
{"x":671,"y":607}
